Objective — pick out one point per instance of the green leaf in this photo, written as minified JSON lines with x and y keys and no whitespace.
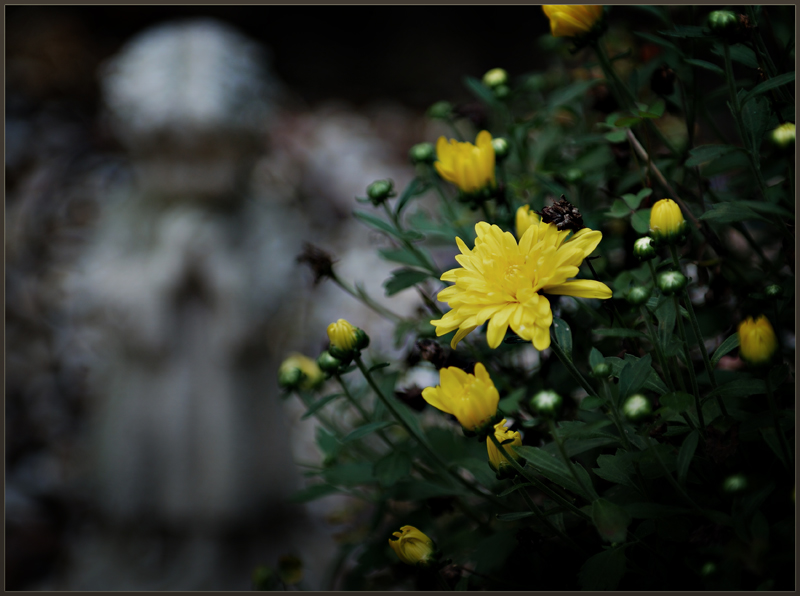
{"x":514,"y":516}
{"x":678,"y":401}
{"x":327,"y":443}
{"x":653,"y":510}
{"x":633,"y":375}
{"x":619,"y":209}
{"x":616,"y":136}
{"x":377,"y":223}
{"x":414,"y":189}
{"x":769,"y":84}
{"x":319,"y":404}
{"x":419,"y":490}
{"x":641,"y":221}
{"x":740,"y":388}
{"x":686,"y":454}
{"x":620,"y":332}
{"x":379,"y":366}
{"x":310,"y":493}
{"x":552,"y":468}
{"x":510,"y":403}
{"x":350,"y":474}
{"x":659,"y":41}
{"x":511,"y":489}
{"x":393,"y":467}
{"x":704,"y":153}
{"x":706,"y":65}
{"x":730,"y":212}
{"x":591,"y":403}
{"x":627,"y":121}
{"x":404,"y":278}
{"x":739,"y":53}
{"x":478,"y":468}
{"x":616,"y":468}
{"x":771,"y":439}
{"x":595,"y":357}
{"x":602,"y":571}
{"x":403,"y":256}
{"x":654,"y":111}
{"x":573,"y":429}
{"x":611,"y":520}
{"x":654,"y":383}
{"x":725,"y":347}
{"x":366,"y":429}
{"x":563,"y":336}
{"x":683,"y":31}
{"x":566,"y":94}
{"x":480,"y":91}
{"x":408,"y":416}
{"x":756,"y":118}
{"x":575,"y":447}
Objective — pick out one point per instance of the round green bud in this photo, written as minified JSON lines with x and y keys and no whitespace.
{"x":601,"y":371}
{"x":573,"y":175}
{"x":723,"y":21}
{"x":501,"y":91}
{"x":546,"y":403}
{"x":362,"y":339}
{"x":422,"y":153}
{"x":441,"y":110}
{"x":328,"y":363}
{"x":671,"y":282}
{"x":290,"y":378}
{"x":773,"y":291}
{"x":380,"y":190}
{"x":495,"y":78}
{"x":783,"y":136}
{"x":501,"y":148}
{"x":643,"y":248}
{"x":708,"y":569}
{"x":734,"y":484}
{"x":636,"y":407}
{"x":638,"y":295}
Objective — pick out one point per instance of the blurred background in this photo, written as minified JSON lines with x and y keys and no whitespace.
{"x":164,"y":166}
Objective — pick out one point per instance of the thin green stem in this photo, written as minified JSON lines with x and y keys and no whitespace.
{"x":420,"y":439}
{"x":423,"y":261}
{"x":367,"y":418}
{"x":366,"y":300}
{"x":573,"y":370}
{"x":562,"y":450}
{"x":672,"y":481}
{"x":773,"y":408}
{"x":687,"y":356}
{"x":651,"y":333}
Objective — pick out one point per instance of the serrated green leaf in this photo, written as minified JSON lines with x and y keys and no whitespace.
{"x":414,"y":189}
{"x":310,"y":493}
{"x":366,"y":429}
{"x":705,"y":65}
{"x":591,"y":403}
{"x":740,"y":388}
{"x":641,"y":221}
{"x":595,"y":357}
{"x":739,"y":53}
{"x":403,"y":256}
{"x":611,"y":520}
{"x":768,"y":85}
{"x":686,"y":454}
{"x":552,"y":468}
{"x":633,"y":376}
{"x":602,"y":571}
{"x":616,"y":468}
{"x":404,"y":278}
{"x":704,"y":153}
{"x":319,"y":404}
{"x":350,"y":474}
{"x":563,"y":336}
{"x":731,"y":212}
{"x":392,"y":467}
{"x":572,"y":429}
{"x":654,"y":383}
{"x":619,"y":332}
{"x":677,"y":401}
{"x":575,"y":447}
{"x":726,"y":346}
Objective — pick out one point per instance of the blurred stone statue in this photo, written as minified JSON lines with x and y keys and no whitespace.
{"x":187,"y":287}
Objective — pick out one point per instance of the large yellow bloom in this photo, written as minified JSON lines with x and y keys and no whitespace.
{"x":757,"y":341}
{"x":412,"y":546}
{"x":472,"y":399}
{"x":502,"y":282}
{"x":468,"y":166}
{"x":496,"y":459}
{"x":569,"y":20}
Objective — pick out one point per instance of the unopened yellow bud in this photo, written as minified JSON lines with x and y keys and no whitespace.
{"x":495,"y":77}
{"x":571,"y":20}
{"x":666,"y":222}
{"x":345,"y":339}
{"x":299,"y":371}
{"x":497,"y":460}
{"x":413,"y":547}
{"x":468,"y":166}
{"x":525,"y":218}
{"x":757,"y":341}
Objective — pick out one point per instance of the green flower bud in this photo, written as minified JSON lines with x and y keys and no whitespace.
{"x":328,"y":363}
{"x":500,"y":146}
{"x":773,"y":291}
{"x":636,"y":407}
{"x":299,"y":371}
{"x":495,"y":78}
{"x":289,"y":379}
{"x":546,"y":403}
{"x":601,"y":371}
{"x":708,"y":569}
{"x":501,"y":92}
{"x":734,"y":484}
{"x":723,"y":21}
{"x":784,"y":135}
{"x":573,"y":175}
{"x":643,"y":248}
{"x":362,"y":339}
{"x":671,"y":282}
{"x":441,"y":110}
{"x":638,"y":295}
{"x":422,"y":153}
{"x":380,"y":190}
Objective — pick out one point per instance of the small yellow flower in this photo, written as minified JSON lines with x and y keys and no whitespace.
{"x":502,"y":281}
{"x":496,"y":459}
{"x":569,"y":20}
{"x":666,"y":221}
{"x":525,"y":219}
{"x":468,"y":166}
{"x":472,"y":399}
{"x":413,"y":547}
{"x":757,"y":341}
{"x":300,"y":371}
{"x":342,"y":335}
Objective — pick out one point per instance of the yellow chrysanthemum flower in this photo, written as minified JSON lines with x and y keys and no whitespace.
{"x":496,"y":459}
{"x":412,"y":546}
{"x":300,"y":371}
{"x":525,"y":219}
{"x":472,"y":399}
{"x":502,"y":282}
{"x":757,"y":341}
{"x":666,"y":220}
{"x":569,"y":20}
{"x":468,"y":166}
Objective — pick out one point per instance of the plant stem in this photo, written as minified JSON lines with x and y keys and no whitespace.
{"x":573,"y":370}
{"x":421,"y":440}
{"x":423,"y":261}
{"x":560,"y":444}
{"x":651,"y":333}
{"x":773,"y":408}
{"x":366,"y":300}
{"x":692,"y":376}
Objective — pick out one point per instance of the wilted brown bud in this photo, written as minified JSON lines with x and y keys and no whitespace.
{"x":432,"y":352}
{"x":604,"y":100}
{"x":622,"y":154}
{"x":320,"y":262}
{"x":663,"y":81}
{"x":412,"y":397}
